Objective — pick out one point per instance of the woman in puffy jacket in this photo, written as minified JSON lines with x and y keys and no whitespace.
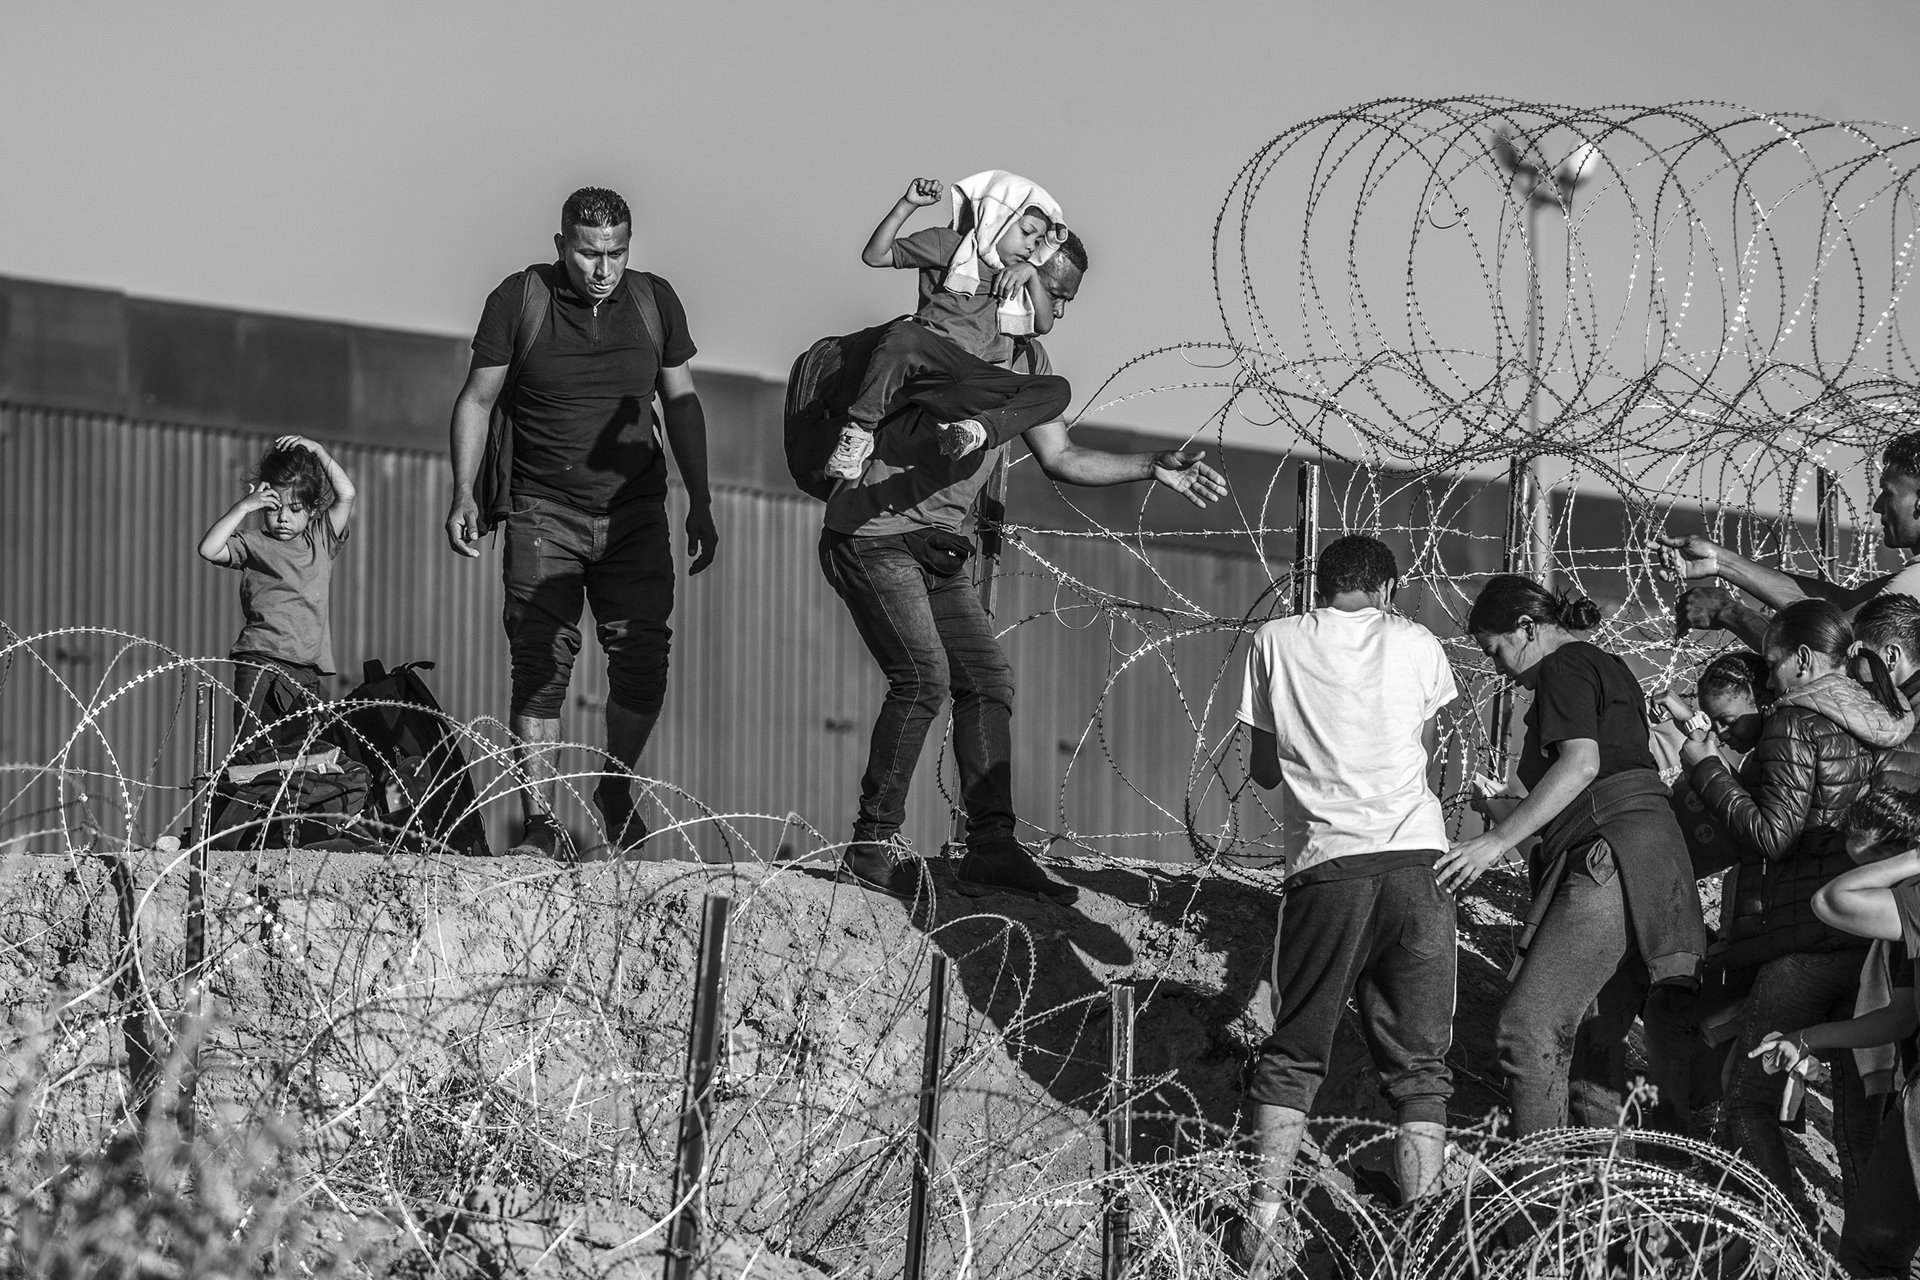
{"x":1818,"y":751}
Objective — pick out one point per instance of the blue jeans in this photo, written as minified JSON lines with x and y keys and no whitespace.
{"x":1792,"y":992}
{"x":1562,"y":1031}
{"x":916,"y":608}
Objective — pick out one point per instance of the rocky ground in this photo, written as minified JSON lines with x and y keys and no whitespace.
{"x":488,"y":1054}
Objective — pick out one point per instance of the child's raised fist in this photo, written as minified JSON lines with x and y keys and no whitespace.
{"x":924,"y":190}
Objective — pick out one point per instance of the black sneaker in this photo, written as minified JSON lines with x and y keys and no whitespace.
{"x":1007,"y":866}
{"x":626,"y":829}
{"x":544,"y":838}
{"x":870,"y":865}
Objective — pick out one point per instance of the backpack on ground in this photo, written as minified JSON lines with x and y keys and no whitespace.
{"x":310,"y":801}
{"x":493,"y":483}
{"x":421,"y":791}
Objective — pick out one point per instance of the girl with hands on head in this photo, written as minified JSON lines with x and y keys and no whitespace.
{"x":1608,"y":841}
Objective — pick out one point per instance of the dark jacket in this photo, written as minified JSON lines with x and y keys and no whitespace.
{"x":1819,"y":750}
{"x":1633,"y":812}
{"x":1900,"y":765}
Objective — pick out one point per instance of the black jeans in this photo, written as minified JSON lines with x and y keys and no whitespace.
{"x":621,"y":563}
{"x":913,"y":364}
{"x":1562,"y":1030}
{"x":1882,"y":1230}
{"x":1792,"y":992}
{"x":925,"y":627}
{"x":1388,"y":941}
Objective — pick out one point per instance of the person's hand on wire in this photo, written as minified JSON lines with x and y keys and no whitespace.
{"x":1685,"y":557}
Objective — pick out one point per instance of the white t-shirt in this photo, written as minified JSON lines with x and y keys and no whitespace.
{"x":1347,"y":696}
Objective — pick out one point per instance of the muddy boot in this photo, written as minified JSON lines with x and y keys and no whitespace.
{"x":1006,"y":866}
{"x":871,"y":865}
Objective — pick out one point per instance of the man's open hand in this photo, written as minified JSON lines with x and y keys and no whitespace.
{"x":1189,"y":477}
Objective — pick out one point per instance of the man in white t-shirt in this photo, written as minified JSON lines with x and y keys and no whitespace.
{"x":1341,"y":703}
{"x":1689,"y":557}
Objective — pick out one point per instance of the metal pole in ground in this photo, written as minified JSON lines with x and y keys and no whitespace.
{"x":1827,"y":494}
{"x":1119,"y":1127}
{"x":199,"y":810}
{"x":1306,"y":536}
{"x":696,"y":1111}
{"x":932,"y":1055}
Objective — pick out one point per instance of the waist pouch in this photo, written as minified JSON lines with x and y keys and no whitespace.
{"x":941,"y":552}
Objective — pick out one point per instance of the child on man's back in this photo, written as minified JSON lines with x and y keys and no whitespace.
{"x":979,"y":290}
{"x":285,"y":561}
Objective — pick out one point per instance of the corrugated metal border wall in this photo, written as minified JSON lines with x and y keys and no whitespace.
{"x":772,"y":693}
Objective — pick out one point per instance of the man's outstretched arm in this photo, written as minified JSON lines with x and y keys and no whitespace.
{"x":1689,"y":557}
{"x":1068,"y":463}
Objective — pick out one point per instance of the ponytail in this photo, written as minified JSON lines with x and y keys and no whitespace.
{"x":1508,"y":597}
{"x":1870,"y":669}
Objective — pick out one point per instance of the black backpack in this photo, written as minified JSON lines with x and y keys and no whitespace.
{"x":296,"y":804}
{"x":421,"y":791}
{"x":493,"y":484}
{"x":822,"y":385}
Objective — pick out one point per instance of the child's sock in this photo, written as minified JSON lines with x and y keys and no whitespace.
{"x":958,"y":439}
{"x":851,"y":453}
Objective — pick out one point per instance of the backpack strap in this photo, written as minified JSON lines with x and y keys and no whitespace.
{"x":535,"y":299}
{"x":640,"y":286}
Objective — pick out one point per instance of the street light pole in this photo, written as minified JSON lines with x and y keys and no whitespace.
{"x":1528,"y":514}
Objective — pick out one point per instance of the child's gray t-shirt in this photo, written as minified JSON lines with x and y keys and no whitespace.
{"x":971,"y":321}
{"x":284,"y":588}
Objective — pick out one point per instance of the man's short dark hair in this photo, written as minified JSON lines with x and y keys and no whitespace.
{"x":1354,"y":563}
{"x":1902,"y":456}
{"x":1890,"y":619}
{"x":594,"y":207}
{"x":1074,"y":251}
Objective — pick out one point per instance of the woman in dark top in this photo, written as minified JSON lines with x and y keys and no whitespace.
{"x":1819,"y":750}
{"x":1615,"y":907}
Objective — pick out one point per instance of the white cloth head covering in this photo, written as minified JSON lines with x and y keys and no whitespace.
{"x":996,"y":198}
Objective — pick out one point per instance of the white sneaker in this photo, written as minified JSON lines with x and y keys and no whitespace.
{"x":850,"y":455}
{"x":958,"y":439}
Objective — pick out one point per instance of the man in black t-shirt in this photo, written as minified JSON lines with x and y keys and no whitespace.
{"x":587,"y":515}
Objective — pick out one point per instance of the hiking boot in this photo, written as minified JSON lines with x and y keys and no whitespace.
{"x":1007,"y":866}
{"x":870,"y":865}
{"x":958,"y":439}
{"x":849,"y":457}
{"x":626,"y":829}
{"x":544,"y":838}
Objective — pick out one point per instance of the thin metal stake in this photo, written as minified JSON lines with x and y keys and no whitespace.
{"x":1827,"y":494}
{"x":1306,"y":537}
{"x":931,"y":1056}
{"x":696,"y":1112}
{"x":199,"y":822}
{"x":1119,"y":1127}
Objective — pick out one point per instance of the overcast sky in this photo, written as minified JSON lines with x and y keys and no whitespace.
{"x":389,"y":163}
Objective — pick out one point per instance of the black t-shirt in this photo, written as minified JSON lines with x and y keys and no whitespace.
{"x":1585,"y":692}
{"x":582,"y":422}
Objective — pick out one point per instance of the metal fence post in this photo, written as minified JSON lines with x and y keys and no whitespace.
{"x":199,"y":822}
{"x":1827,"y":495}
{"x":927,"y":1143}
{"x":1119,"y":1131}
{"x":1306,"y":536}
{"x":696,"y":1112}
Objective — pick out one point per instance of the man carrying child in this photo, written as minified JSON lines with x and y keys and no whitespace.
{"x":1341,"y":704}
{"x":895,"y":547}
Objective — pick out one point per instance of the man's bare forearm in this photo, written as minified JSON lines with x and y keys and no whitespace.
{"x":1096,"y":468}
{"x":686,"y":426}
{"x":467,"y":440}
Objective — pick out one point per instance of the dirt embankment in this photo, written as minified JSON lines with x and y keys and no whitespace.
{"x":508,"y":1032}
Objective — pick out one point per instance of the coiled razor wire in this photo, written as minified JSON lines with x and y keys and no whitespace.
{"x":1716,"y":300}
